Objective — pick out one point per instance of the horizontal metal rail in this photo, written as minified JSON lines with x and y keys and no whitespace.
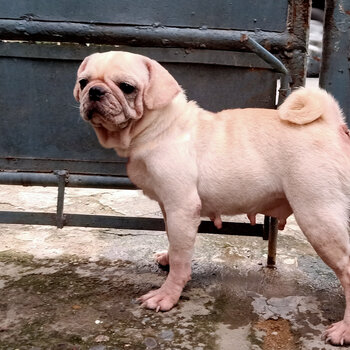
{"x":179,"y":55}
{"x":52,"y":180}
{"x":140,"y":35}
{"x":125,"y":223}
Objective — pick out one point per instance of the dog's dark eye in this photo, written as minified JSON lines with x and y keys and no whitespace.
{"x":83,"y":83}
{"x":127,"y":88}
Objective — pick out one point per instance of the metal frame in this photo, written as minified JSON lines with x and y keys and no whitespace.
{"x":289,"y":63}
{"x":63,"y":179}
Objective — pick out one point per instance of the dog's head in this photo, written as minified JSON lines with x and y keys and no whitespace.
{"x":116,"y":88}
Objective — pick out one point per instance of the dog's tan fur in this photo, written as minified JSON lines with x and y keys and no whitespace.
{"x":196,"y":163}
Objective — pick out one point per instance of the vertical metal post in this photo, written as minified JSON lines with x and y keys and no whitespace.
{"x":62,"y":179}
{"x":266,"y":228}
{"x":270,"y":233}
{"x":272,"y":245}
{"x":335,"y":63}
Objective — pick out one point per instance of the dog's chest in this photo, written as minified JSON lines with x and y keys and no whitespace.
{"x":138,"y":175}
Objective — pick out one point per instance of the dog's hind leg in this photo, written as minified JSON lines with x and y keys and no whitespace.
{"x":325,"y":224}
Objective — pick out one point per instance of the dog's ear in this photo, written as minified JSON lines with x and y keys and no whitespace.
{"x":161,"y":88}
{"x":76,"y":91}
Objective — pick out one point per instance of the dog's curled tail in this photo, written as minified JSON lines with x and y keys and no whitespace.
{"x":306,"y":105}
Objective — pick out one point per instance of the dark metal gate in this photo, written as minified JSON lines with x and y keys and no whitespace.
{"x":206,"y":44}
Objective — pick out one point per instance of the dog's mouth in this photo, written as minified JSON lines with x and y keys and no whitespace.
{"x":99,"y":116}
{"x":96,"y":119}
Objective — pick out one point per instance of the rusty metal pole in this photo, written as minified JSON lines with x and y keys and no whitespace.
{"x":272,"y":245}
{"x":62,"y":178}
{"x":335,"y":63}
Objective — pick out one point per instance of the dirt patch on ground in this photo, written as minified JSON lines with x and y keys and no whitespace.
{"x":278,"y":335}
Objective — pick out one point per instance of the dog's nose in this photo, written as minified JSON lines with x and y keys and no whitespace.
{"x":96,"y":92}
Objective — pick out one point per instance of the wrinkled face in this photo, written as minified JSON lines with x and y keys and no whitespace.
{"x":110,"y":88}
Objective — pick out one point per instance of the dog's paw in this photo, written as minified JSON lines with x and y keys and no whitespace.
{"x":162,"y":258}
{"x":162,"y":299}
{"x":337,"y":334}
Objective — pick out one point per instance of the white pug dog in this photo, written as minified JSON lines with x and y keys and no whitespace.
{"x":197,"y":163}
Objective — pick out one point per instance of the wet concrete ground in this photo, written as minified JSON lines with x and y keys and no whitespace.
{"x":76,"y":288}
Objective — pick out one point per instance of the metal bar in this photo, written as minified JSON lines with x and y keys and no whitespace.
{"x":69,"y":52}
{"x":87,"y":181}
{"x":51,"y":180}
{"x":232,"y":228}
{"x":264,"y":54}
{"x":62,"y":178}
{"x":47,"y":165}
{"x":129,"y":223}
{"x":139,"y":35}
{"x":27,"y":218}
{"x":117,"y":222}
{"x":272,"y":245}
{"x":266,"y":228}
{"x":274,"y":62}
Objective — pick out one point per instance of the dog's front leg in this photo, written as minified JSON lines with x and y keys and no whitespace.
{"x":182,"y":224}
